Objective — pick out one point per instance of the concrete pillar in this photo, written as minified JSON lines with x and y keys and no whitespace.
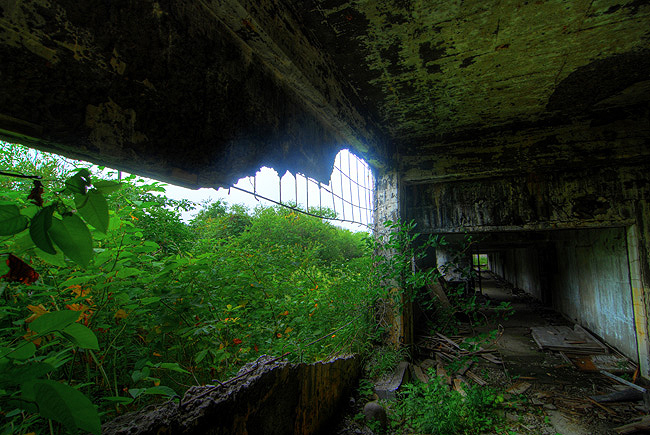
{"x":637,"y":248}
{"x":387,"y":206}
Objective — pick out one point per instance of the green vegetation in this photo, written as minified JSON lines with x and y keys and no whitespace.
{"x":110,"y":300}
{"x":435,"y":408}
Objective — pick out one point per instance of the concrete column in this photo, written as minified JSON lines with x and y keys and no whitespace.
{"x":637,"y":248}
{"x":387,"y":208}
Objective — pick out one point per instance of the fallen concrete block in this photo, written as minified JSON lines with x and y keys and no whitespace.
{"x":387,"y":388}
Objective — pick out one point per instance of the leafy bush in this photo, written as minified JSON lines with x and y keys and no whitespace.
{"x":433,"y":408}
{"x":153,"y":305}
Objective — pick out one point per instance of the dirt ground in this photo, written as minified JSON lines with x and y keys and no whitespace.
{"x":557,"y":398}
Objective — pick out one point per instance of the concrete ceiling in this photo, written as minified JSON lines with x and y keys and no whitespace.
{"x":202,"y":92}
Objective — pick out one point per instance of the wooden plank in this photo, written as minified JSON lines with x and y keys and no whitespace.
{"x":628,"y":395}
{"x":468,"y":364}
{"x":417,"y":371}
{"x":458,"y":386}
{"x":473,"y":376}
{"x":643,"y":424}
{"x":491,"y":358}
{"x":519,"y":388}
{"x":449,"y":340}
{"x":563,"y":338}
{"x":601,"y":406}
{"x":623,"y":381}
{"x":582,"y":331}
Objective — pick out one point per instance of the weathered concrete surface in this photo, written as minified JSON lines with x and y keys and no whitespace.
{"x":203,"y":92}
{"x":396,"y":309}
{"x":433,"y":68}
{"x":197,"y":93}
{"x":274,"y":398}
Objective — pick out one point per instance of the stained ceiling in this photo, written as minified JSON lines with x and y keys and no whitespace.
{"x":203,"y":92}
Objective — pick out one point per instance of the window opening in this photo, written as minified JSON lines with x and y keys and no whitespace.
{"x":349,"y":193}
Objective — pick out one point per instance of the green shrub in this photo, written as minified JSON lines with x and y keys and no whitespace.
{"x":435,"y":409}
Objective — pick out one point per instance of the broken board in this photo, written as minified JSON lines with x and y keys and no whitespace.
{"x":565,"y":339}
{"x":611,"y":363}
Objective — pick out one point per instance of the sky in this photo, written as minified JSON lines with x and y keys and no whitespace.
{"x":267,"y":183}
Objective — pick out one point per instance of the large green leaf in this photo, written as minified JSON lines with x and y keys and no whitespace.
{"x":62,"y":403}
{"x":25,"y":351}
{"x":38,"y":230}
{"x":54,"y":321}
{"x":56,"y":260}
{"x":173,"y":366}
{"x":81,"y":336}
{"x":106,"y":187}
{"x":79,"y":182}
{"x":11,"y":374}
{"x":73,"y":237}
{"x":11,"y":221}
{"x":4,"y":268}
{"x":94,"y":208}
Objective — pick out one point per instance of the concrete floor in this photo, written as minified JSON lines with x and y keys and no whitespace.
{"x":559,"y":391}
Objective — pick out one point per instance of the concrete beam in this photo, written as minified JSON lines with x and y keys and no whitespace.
{"x":195,"y":93}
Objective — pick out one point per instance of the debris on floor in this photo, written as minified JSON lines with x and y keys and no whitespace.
{"x":595,"y":363}
{"x":641,"y":425}
{"x":555,"y":376}
{"x":441,"y":346}
{"x":563,"y":338}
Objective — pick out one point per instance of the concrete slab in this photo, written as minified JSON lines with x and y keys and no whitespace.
{"x":387,"y":388}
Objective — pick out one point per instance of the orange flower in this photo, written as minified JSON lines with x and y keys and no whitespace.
{"x":79,"y":291}
{"x":286,"y":313}
{"x":237,"y":341}
{"x":82,"y":310}
{"x":76,"y":307}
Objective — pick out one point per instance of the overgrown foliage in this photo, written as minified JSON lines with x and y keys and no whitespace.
{"x":434,"y":408}
{"x":110,"y":300}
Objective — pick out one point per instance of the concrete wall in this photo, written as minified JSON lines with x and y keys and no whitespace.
{"x":266,"y":397}
{"x":388,"y":208}
{"x":586,"y":278}
{"x":589,"y":177}
{"x":592,"y":285}
{"x":521,"y":267}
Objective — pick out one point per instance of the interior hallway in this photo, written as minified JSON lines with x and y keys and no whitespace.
{"x":558,"y":389}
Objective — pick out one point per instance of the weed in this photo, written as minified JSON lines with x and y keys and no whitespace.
{"x":365,"y":389}
{"x":434,"y":408}
{"x":383,"y":360}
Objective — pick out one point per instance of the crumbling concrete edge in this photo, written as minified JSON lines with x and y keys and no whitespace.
{"x":269,"y":395}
